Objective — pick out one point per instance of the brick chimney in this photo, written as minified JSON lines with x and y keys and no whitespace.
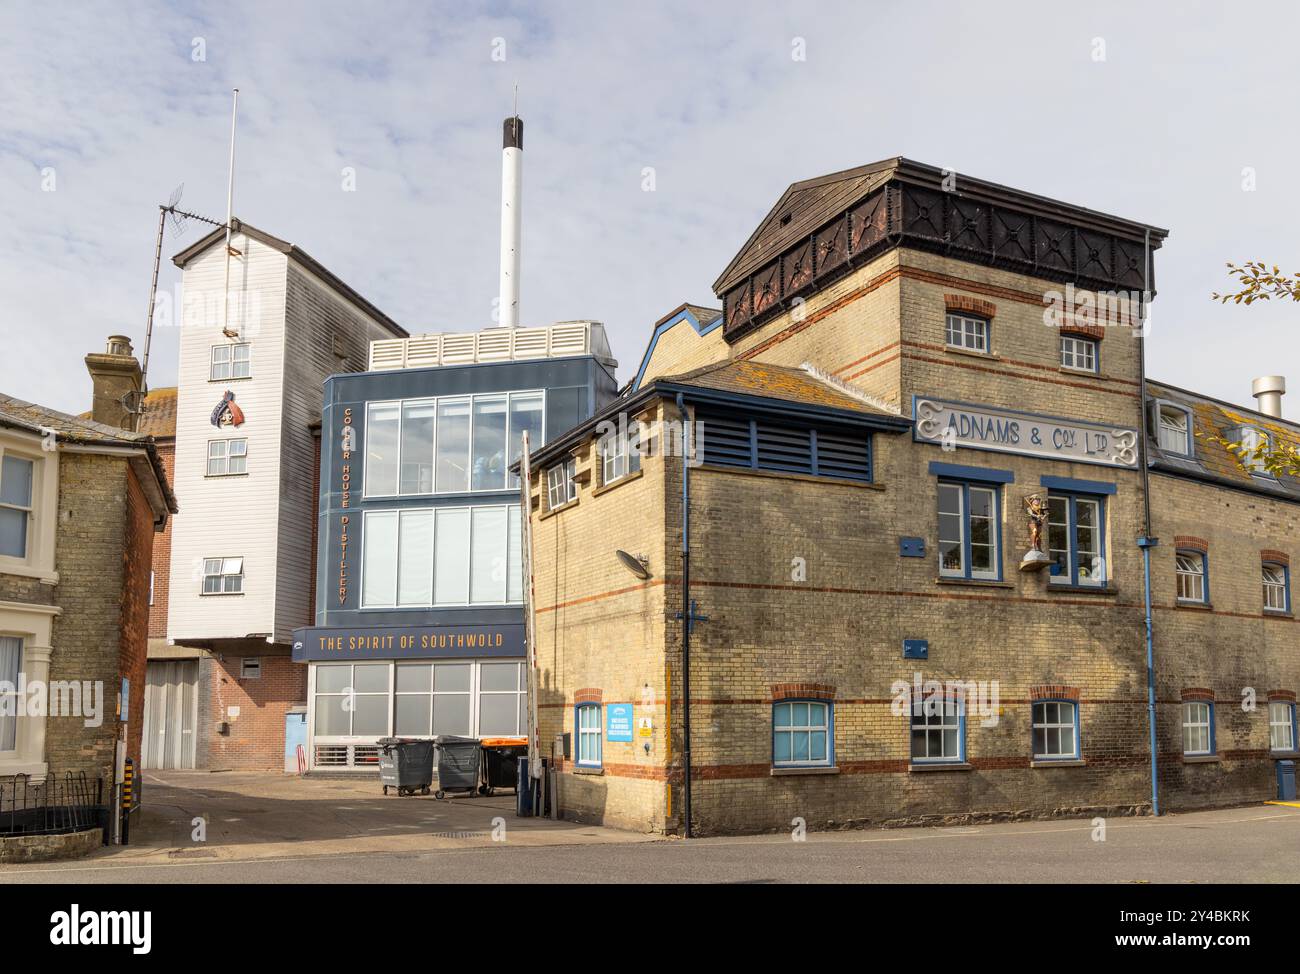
{"x":115,"y":374}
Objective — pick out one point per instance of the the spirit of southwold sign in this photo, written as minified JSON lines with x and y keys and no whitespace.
{"x":959,"y":424}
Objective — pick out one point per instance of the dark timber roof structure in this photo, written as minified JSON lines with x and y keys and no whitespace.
{"x":821,"y":229}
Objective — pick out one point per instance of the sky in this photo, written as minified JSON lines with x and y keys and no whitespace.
{"x":1177,"y":115}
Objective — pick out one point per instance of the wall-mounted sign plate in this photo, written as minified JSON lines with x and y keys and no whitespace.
{"x":911,"y":547}
{"x":916,"y":649}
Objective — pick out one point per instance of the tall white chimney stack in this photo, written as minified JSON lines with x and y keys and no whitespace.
{"x":1268,"y":391}
{"x":512,"y":164}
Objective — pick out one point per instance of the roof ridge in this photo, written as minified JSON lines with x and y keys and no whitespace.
{"x":839,"y":385}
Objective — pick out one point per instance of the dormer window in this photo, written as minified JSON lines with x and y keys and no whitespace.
{"x":1174,"y":429}
{"x":1255,"y":445}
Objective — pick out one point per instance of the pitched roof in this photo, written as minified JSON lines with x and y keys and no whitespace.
{"x":1212,"y":461}
{"x":159,"y":417}
{"x":40,"y":420}
{"x":293,"y":252}
{"x":780,"y":382}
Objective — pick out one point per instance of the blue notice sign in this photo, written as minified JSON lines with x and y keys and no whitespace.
{"x":618,"y":722}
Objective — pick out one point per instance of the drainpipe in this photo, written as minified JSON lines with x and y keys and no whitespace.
{"x":686,"y":614}
{"x":1146,"y":542}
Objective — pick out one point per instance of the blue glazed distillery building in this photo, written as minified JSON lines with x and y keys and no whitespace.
{"x":419,"y":626}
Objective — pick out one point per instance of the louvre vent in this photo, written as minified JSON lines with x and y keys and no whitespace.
{"x":734,"y":441}
{"x":783,"y":448}
{"x":846,"y":456}
{"x":723,"y":439}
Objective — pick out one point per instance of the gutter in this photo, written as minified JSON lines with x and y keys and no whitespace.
{"x":1146,"y":542}
{"x":687,"y":614}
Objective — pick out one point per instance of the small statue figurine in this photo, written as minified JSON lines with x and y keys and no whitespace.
{"x":1035,"y":558}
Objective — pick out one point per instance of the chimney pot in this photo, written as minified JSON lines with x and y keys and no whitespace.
{"x":1268,"y":391}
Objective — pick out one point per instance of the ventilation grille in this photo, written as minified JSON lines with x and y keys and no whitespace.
{"x":565,"y":338}
{"x":781,"y":448}
{"x":331,"y":756}
{"x":723,"y":439}
{"x":843,"y":456}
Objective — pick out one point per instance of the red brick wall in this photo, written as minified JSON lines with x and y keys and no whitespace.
{"x":162,"y":554}
{"x":137,"y":557}
{"x":255,"y":740}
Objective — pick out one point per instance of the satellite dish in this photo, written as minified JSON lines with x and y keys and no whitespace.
{"x":633,"y":564}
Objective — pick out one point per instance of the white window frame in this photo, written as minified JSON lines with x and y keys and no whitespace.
{"x":806,"y":729}
{"x":1278,"y":742}
{"x":1057,"y":725}
{"x":511,"y":481}
{"x":222,"y":368}
{"x":1192,"y":709}
{"x":29,"y":509}
{"x":964,"y":516}
{"x":42,"y":521}
{"x":1191,"y":572}
{"x":970,"y":333}
{"x":617,"y":459}
{"x":1078,"y":353}
{"x":511,"y":554}
{"x":584,"y":733}
{"x":219,"y":453}
{"x":1251,"y":439}
{"x":223,"y":563}
{"x":561,"y":484}
{"x":1073,"y":556}
{"x":950,"y":716}
{"x":1277,"y":590}
{"x":314,"y":693}
{"x":1171,"y":430}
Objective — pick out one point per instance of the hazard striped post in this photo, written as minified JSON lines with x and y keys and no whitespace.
{"x":128,"y":796}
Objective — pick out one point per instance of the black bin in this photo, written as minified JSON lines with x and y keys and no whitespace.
{"x":459,"y":764}
{"x":405,"y":764}
{"x":501,"y":765}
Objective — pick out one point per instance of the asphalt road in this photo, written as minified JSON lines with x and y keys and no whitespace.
{"x":1258,"y":844}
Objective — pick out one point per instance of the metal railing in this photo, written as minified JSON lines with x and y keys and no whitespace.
{"x":70,"y":803}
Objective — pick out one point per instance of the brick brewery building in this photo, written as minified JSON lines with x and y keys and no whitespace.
{"x":887,"y":428}
{"x":81,"y":500}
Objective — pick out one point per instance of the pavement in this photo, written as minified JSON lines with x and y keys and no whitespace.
{"x":269,"y":828}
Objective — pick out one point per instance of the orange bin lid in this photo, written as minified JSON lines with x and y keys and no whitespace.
{"x":504,"y":742}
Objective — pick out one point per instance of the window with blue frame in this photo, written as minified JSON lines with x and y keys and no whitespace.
{"x":1056,"y":729}
{"x":1281,"y":726}
{"x":1198,"y":728}
{"x":969,"y":531}
{"x":589,"y":723}
{"x":1075,"y":539}
{"x":938,"y":730}
{"x":801,"y":734}
{"x":1277,"y":587}
{"x":1193,"y":577}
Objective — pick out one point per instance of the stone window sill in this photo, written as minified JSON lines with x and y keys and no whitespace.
{"x":941,"y":766}
{"x":987,"y":356}
{"x":584,"y":769}
{"x":785,"y":772}
{"x":975,"y":582}
{"x":552,"y":511}
{"x":1057,"y":763}
{"x":1201,"y":759}
{"x":1090,"y":373}
{"x":1194,"y":606}
{"x":627,"y":478}
{"x":1083,"y":589}
{"x":1284,"y":755}
{"x":1278,"y":614}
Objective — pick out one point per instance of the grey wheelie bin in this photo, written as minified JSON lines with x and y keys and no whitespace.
{"x":459,"y":764}
{"x":405,"y":764}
